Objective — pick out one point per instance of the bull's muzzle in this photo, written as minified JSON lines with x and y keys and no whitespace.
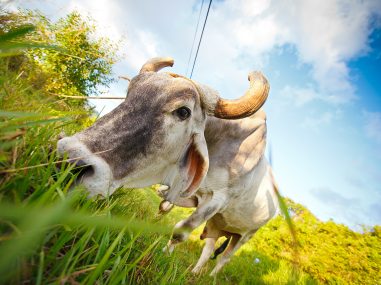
{"x":97,"y":176}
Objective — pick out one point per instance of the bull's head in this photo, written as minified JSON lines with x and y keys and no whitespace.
{"x":157,"y":134}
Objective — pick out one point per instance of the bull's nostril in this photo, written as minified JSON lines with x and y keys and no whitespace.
{"x":80,"y":162}
{"x":88,"y":170}
{"x":83,"y":170}
{"x":83,"y":162}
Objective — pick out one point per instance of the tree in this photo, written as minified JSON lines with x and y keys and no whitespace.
{"x":81,"y":63}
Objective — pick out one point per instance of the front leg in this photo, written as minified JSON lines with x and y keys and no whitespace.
{"x":203,"y":213}
{"x":205,"y":255}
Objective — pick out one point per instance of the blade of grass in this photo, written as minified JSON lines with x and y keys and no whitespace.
{"x":15,"y":33}
{"x":40,"y":268}
{"x":101,"y":266}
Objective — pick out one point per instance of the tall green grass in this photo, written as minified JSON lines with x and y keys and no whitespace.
{"x":47,"y":232}
{"x":50,"y":233}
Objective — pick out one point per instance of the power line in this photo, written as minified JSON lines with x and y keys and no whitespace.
{"x":199,"y":43}
{"x":194,"y":37}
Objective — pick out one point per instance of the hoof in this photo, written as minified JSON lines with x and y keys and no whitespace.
{"x":213,"y":273}
{"x":168,"y":248}
{"x":196,"y":270}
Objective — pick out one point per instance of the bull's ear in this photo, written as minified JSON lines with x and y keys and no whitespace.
{"x":194,"y":165}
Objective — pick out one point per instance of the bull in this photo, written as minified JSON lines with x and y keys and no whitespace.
{"x":206,"y":151}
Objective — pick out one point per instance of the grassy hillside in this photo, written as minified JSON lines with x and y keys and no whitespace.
{"x":49,"y":234}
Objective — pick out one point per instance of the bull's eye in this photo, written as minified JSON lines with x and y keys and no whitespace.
{"x":183,"y":113}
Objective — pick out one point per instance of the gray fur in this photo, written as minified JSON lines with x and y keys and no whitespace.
{"x":135,"y":128}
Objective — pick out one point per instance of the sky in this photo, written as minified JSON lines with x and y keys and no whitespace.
{"x":323,"y":62}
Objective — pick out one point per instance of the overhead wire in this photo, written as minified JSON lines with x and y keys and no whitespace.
{"x":194,"y":37}
{"x":199,"y":42}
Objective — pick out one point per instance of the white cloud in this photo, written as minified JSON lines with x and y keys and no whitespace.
{"x":300,"y":96}
{"x":102,"y":12}
{"x":138,"y":44}
{"x":317,"y":121}
{"x":142,"y":47}
{"x":326,"y":35}
{"x":352,"y":211}
{"x":372,"y":125}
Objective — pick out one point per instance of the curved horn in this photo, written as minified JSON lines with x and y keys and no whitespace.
{"x":157,"y":63}
{"x":248,"y":104}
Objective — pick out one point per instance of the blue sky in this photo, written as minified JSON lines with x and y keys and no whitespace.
{"x":323,"y":61}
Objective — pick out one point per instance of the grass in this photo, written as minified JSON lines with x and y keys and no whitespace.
{"x":50,"y":234}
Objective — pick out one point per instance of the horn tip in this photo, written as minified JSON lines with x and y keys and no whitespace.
{"x":156,"y":63}
{"x":257,"y":75}
{"x":168,"y":60}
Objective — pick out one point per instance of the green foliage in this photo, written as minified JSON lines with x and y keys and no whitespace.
{"x":79,"y":64}
{"x":9,"y":44}
{"x":330,"y":252}
{"x":50,"y":232}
